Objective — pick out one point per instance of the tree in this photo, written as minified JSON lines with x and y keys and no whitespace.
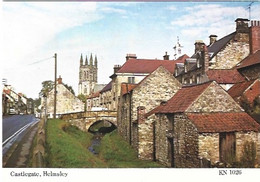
{"x":69,"y":88}
{"x":47,"y":86}
{"x":82,"y":97}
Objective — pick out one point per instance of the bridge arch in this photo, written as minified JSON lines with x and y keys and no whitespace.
{"x":90,"y":121}
{"x":102,"y":127}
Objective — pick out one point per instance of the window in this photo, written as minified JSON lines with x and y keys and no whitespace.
{"x":131,"y":79}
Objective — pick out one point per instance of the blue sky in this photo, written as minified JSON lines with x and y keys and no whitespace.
{"x":35,"y":31}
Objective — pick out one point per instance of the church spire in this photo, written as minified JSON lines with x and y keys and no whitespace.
{"x":81,"y":60}
{"x":96,"y":61}
{"x":91,"y":60}
{"x":86,"y":61}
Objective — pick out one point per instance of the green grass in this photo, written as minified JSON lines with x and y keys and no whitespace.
{"x":117,"y":153}
{"x":67,"y":147}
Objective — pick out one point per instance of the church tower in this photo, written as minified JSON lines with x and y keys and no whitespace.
{"x":87,"y":75}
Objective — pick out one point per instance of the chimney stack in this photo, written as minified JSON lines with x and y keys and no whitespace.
{"x":199,"y":45}
{"x":166,"y":56}
{"x":130,"y":56}
{"x":59,"y":80}
{"x":212,"y":39}
{"x":116,"y":68}
{"x":254,"y":36}
{"x":242,"y":25}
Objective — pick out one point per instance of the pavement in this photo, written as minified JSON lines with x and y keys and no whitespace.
{"x":18,"y":156}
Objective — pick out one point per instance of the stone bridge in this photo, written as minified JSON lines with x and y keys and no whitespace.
{"x":83,"y":120}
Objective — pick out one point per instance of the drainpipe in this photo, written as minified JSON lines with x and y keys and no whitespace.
{"x":130,"y":119}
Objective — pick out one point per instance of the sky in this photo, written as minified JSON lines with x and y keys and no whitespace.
{"x":33,"y":31}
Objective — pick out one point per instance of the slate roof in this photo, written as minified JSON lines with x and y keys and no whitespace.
{"x":223,"y":122}
{"x":182,"y":99}
{"x":250,"y":60}
{"x":225,"y":76}
{"x":107,"y":87}
{"x":219,"y":44}
{"x":148,"y":65}
{"x":127,"y":87}
{"x":239,"y":88}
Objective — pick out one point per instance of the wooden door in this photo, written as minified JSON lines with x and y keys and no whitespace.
{"x":227,"y":147}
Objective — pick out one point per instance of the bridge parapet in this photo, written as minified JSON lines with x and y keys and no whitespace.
{"x":83,"y":120}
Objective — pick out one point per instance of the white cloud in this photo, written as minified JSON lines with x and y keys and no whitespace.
{"x":113,"y":10}
{"x":38,"y":23}
{"x":202,"y":15}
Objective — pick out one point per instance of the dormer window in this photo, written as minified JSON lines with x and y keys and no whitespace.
{"x":176,"y":72}
{"x":185,"y":68}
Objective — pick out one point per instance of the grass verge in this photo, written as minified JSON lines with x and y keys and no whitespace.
{"x":117,"y":153}
{"x":67,"y":147}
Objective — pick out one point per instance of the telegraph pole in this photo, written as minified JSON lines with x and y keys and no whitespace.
{"x":55,"y":86}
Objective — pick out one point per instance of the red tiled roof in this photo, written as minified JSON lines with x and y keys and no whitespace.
{"x":94,"y":95}
{"x":223,"y":122}
{"x":182,"y":99}
{"x":250,"y":60}
{"x":238,"y":89}
{"x":7,"y":91}
{"x":148,"y":65}
{"x":127,"y":87}
{"x":225,"y":76}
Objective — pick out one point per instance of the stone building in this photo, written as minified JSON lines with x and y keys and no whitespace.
{"x":88,"y":76}
{"x":247,"y":91}
{"x":66,"y":102}
{"x":158,"y":86}
{"x":200,"y":122}
{"x":219,"y":55}
{"x":15,"y":103}
{"x":135,"y":70}
{"x":106,"y":97}
{"x":93,"y":102}
{"x":250,"y":66}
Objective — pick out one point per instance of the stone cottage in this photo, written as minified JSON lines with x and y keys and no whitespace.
{"x":220,"y":58}
{"x":135,"y":70}
{"x":200,"y":122}
{"x":66,"y":101}
{"x":157,"y":87}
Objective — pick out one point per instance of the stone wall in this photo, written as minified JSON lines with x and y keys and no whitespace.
{"x":157,"y":87}
{"x":241,"y":138}
{"x":234,"y":52}
{"x":66,"y":101}
{"x":123,"y":117}
{"x":161,"y":141}
{"x":185,"y":142}
{"x":214,"y":99}
{"x":209,"y":146}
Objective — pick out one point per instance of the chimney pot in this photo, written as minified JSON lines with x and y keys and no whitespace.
{"x":116,"y":68}
{"x":212,"y":39}
{"x":242,"y":25}
{"x":130,"y":56}
{"x":166,"y":56}
{"x":59,"y":80}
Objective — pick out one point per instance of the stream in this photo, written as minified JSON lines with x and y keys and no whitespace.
{"x":96,"y":140}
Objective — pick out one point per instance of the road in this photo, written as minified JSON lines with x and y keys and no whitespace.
{"x":18,"y":133}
